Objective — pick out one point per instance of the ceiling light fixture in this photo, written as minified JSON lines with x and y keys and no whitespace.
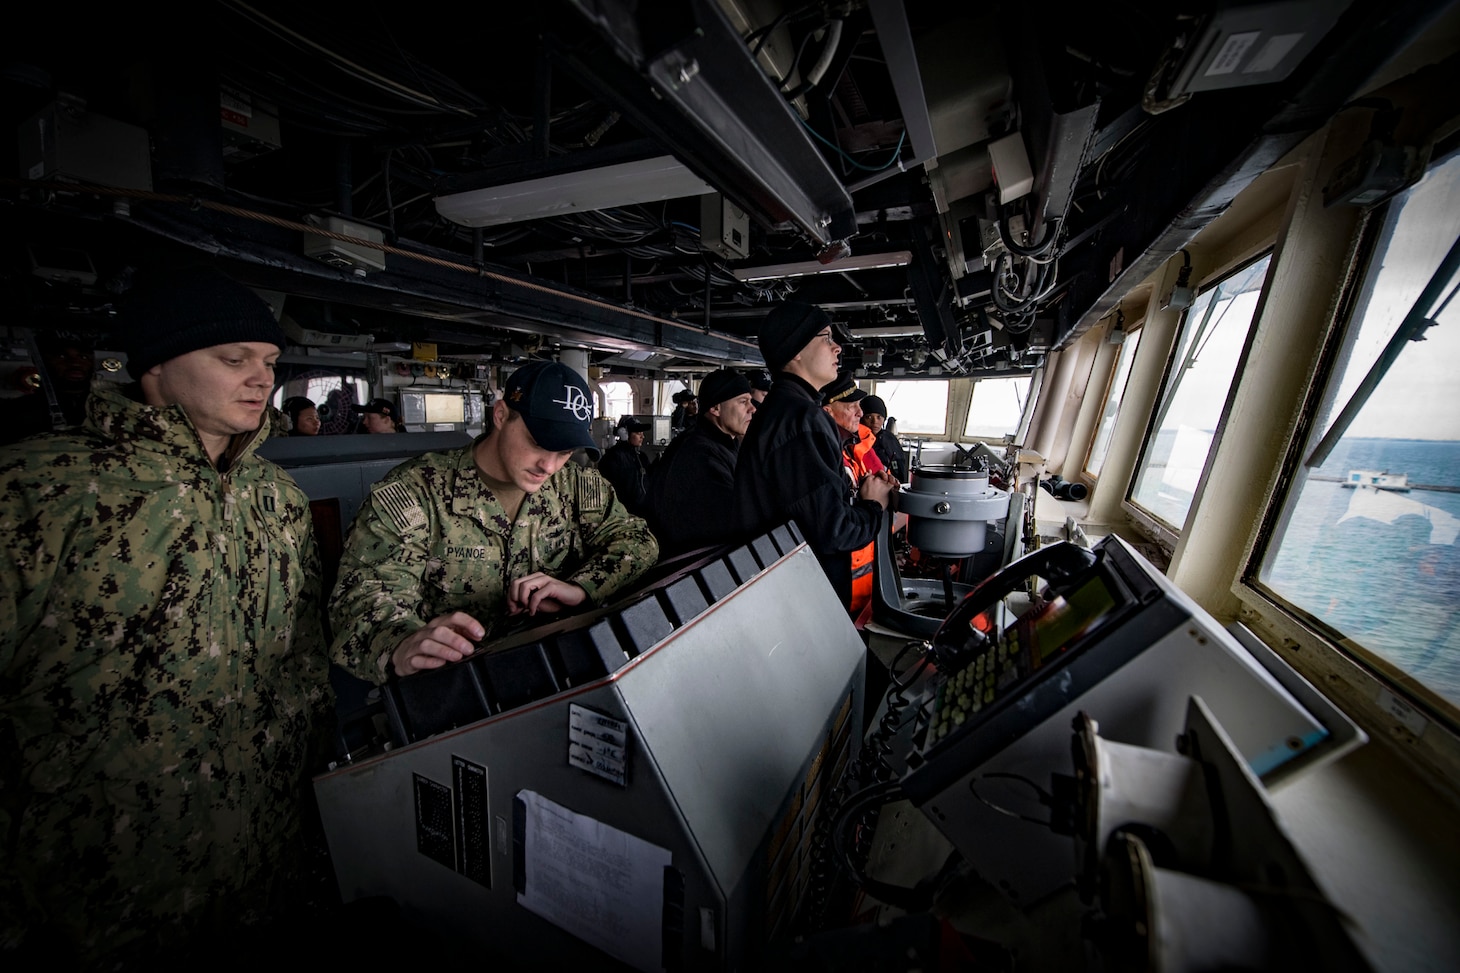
{"x":622,"y":184}
{"x":913,"y":330}
{"x":865,"y":261}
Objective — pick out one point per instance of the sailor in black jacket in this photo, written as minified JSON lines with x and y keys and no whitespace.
{"x":888,"y":449}
{"x":625,"y":465}
{"x":790,"y":464}
{"x":691,"y":489}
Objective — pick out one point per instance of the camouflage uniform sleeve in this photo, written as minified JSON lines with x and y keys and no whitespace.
{"x":309,"y":630}
{"x":309,"y":627}
{"x":36,"y":516}
{"x":377,"y":599}
{"x":29,"y":542}
{"x":618,"y":545}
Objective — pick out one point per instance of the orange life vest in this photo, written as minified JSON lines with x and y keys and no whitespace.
{"x":863,"y":452}
{"x":860,"y":460}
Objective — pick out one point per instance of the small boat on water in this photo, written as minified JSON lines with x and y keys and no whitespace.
{"x":1378,"y":480}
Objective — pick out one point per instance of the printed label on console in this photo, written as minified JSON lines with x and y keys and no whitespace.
{"x":598,"y":744}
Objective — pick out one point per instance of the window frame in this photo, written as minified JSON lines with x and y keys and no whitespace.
{"x":1167,"y":534}
{"x":878,"y":386}
{"x":1132,"y":333}
{"x":351,"y":379}
{"x":664,"y":395}
{"x":1397,"y":692}
{"x":1020,"y":426}
{"x":607,"y":410}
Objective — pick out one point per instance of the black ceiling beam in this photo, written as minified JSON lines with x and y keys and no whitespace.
{"x":714,"y":108}
{"x":270,"y":256}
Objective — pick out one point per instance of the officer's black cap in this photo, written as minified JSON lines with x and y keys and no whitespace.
{"x":841,"y":389}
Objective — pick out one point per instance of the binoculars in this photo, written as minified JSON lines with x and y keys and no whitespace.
{"x":1064,"y":489}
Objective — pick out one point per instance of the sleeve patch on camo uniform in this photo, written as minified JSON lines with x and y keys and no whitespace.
{"x":592,"y":492}
{"x":404,"y":510}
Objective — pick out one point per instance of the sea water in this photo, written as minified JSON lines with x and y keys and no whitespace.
{"x":1381,"y":567}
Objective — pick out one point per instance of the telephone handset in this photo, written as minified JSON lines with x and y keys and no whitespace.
{"x":973,"y":624}
{"x":986,"y":662}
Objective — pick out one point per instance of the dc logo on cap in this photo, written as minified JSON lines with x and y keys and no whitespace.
{"x":576,"y":403}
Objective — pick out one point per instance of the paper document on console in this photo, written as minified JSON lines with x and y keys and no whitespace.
{"x":603,"y":885}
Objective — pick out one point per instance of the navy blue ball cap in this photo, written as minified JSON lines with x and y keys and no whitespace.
{"x":555,"y":403}
{"x":381,"y":407}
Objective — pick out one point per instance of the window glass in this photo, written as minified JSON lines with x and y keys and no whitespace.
{"x":356,"y":388}
{"x":919,"y":408}
{"x":618,"y":398}
{"x":1366,"y":543}
{"x":665,"y":395}
{"x":1213,"y":332}
{"x":996,"y":407}
{"x":332,"y":392}
{"x":1111,"y":409}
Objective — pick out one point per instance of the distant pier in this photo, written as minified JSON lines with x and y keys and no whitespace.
{"x":1432,"y":487}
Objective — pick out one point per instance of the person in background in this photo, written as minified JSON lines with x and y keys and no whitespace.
{"x":887,"y":446}
{"x":694,"y":481}
{"x":842,"y":401}
{"x":624,"y":465}
{"x":379,"y":416}
{"x":66,"y":368}
{"x":303,"y":416}
{"x":455,"y":547}
{"x":163,"y":672}
{"x":685,"y":408}
{"x":760,"y":386}
{"x":790,"y":464}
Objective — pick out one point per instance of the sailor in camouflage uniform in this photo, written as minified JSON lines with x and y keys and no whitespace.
{"x":163,"y":671}
{"x":456,"y":547}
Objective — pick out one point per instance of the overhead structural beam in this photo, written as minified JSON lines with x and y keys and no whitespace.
{"x":890,"y":19}
{"x":476,"y":298}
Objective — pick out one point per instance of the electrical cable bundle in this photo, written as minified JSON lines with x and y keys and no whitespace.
{"x":1019,"y":289}
{"x":844,"y":829}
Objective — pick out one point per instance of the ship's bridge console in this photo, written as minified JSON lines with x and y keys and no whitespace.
{"x":682,"y":779}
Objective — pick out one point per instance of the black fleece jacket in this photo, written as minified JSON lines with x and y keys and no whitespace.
{"x":691,"y":490}
{"x":790,"y":468}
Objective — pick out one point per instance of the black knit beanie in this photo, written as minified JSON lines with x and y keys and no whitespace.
{"x":722,"y":384}
{"x":172,"y":312}
{"x":788,"y":329}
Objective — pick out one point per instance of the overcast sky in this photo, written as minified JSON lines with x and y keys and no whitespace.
{"x":1420,"y":395}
